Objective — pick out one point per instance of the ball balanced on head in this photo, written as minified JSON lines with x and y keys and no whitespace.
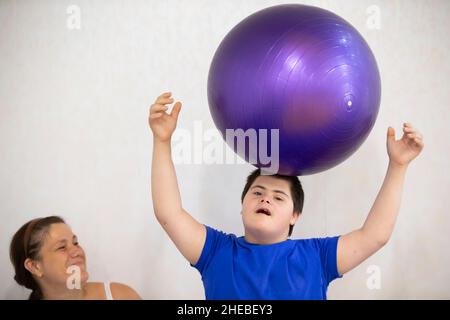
{"x":304,"y":71}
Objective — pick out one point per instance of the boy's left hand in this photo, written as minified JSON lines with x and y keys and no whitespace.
{"x":403,"y":151}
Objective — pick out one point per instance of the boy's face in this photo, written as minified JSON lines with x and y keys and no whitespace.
{"x":268,"y":210}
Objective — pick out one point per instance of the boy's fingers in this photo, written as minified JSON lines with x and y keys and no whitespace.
{"x":409,"y":129}
{"x":176,"y":109}
{"x":391,"y":133}
{"x":164,"y":100}
{"x":165,"y":94}
{"x":414,"y":136}
{"x":156,"y":115}
{"x":158,"y":108}
{"x":415,"y":133}
{"x":419,"y":142}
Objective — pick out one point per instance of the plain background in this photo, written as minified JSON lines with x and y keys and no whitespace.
{"x":74,"y":138}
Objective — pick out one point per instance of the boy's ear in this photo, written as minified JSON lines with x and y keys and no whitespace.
{"x":295,"y":216}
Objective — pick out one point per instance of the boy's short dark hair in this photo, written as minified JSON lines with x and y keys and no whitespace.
{"x":297,"y":193}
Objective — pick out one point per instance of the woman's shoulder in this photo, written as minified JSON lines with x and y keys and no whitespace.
{"x":119,"y":291}
{"x":122,"y":291}
{"x":95,"y":291}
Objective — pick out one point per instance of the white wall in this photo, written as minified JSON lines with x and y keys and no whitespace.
{"x":74,"y":138}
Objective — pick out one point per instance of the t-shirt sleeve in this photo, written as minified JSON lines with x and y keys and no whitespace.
{"x":328,"y":256}
{"x":214,"y":241}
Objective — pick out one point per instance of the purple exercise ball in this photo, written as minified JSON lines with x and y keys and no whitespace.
{"x":302,"y":70}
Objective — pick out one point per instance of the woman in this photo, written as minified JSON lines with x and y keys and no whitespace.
{"x":48,"y":259}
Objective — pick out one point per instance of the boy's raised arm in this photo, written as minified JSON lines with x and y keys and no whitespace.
{"x":357,"y":246}
{"x":187,"y":234}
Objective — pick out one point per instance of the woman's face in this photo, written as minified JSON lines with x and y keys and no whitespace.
{"x":61,"y":257}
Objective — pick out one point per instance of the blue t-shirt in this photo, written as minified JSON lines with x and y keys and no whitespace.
{"x":233,"y":268}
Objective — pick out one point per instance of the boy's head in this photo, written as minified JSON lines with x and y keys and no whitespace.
{"x":271,"y":204}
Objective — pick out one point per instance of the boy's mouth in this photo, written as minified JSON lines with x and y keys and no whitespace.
{"x":264,"y":211}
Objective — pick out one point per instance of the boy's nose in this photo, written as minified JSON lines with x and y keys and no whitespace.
{"x":265,"y":200}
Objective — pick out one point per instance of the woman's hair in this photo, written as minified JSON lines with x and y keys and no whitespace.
{"x":27,"y":243}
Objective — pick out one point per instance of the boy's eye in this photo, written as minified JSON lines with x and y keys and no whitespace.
{"x":278,"y":198}
{"x":62,"y":248}
{"x":257,"y":193}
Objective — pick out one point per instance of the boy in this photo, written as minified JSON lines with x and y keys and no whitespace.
{"x":265,"y":263}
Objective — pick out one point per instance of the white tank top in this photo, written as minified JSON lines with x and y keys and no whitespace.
{"x":108,"y":291}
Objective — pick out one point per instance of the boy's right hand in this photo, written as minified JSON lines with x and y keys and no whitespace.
{"x":162,"y":123}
